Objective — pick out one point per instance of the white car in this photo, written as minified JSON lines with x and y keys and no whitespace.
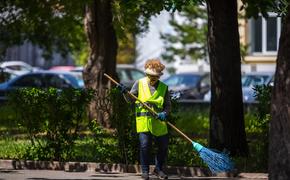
{"x":17,"y":67}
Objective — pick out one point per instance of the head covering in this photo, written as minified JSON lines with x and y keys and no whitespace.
{"x":154,"y":67}
{"x":153,"y":72}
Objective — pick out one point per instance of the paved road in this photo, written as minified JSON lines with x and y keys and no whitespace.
{"x":62,"y":175}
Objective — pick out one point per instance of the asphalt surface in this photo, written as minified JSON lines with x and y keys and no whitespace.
{"x":88,"y":175}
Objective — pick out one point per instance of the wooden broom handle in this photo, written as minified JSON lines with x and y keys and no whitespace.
{"x":150,"y":109}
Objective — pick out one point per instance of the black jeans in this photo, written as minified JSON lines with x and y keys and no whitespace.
{"x":145,"y":146}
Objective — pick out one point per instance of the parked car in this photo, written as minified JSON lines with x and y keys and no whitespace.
{"x":128,"y":74}
{"x":40,"y":79}
{"x":17,"y":67}
{"x":249,"y":81}
{"x":190,"y":85}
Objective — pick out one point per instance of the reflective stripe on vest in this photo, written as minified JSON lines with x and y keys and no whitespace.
{"x":148,"y":122}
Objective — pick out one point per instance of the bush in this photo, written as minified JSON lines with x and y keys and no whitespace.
{"x":51,"y":118}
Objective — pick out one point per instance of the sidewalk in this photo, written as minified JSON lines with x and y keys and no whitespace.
{"x":43,"y":170}
{"x":62,"y":175}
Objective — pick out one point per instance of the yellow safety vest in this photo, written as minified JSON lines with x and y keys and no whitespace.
{"x":145,"y":122}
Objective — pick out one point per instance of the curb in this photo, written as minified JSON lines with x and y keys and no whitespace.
{"x":96,"y":167}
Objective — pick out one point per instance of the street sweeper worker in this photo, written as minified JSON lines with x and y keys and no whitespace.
{"x":154,"y":93}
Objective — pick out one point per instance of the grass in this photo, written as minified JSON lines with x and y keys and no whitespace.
{"x":101,"y":150}
{"x":12,"y":148}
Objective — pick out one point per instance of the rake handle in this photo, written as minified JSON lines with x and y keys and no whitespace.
{"x":150,"y":109}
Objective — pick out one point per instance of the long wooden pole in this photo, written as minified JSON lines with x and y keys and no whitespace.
{"x":150,"y":109}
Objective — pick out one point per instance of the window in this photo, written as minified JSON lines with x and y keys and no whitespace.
{"x":265,"y":34}
{"x":56,"y":81}
{"x":29,"y":81}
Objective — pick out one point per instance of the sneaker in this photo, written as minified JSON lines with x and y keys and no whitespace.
{"x":160,"y":174}
{"x":145,"y":176}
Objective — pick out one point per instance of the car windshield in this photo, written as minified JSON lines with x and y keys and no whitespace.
{"x":123,"y":75}
{"x":253,"y":80}
{"x":79,"y":77}
{"x":76,"y":80}
{"x":182,"y":79}
{"x":19,"y":68}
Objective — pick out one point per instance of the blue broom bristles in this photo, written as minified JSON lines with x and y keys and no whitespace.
{"x":216,"y":161}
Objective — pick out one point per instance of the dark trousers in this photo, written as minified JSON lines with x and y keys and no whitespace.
{"x":145,"y":146}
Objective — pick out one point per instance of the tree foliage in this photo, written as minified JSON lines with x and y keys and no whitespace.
{"x":254,"y":7}
{"x":57,"y":25}
{"x":52,"y":25}
{"x":139,"y":12}
{"x":189,"y":38}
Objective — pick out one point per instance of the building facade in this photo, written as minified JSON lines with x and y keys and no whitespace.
{"x":259,"y":40}
{"x":32,"y":55}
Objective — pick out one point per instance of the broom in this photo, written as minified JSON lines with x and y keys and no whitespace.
{"x":217,"y":162}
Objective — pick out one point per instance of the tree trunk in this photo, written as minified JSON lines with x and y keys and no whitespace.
{"x":279,"y":147}
{"x":227,"y":129}
{"x":102,"y":59}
